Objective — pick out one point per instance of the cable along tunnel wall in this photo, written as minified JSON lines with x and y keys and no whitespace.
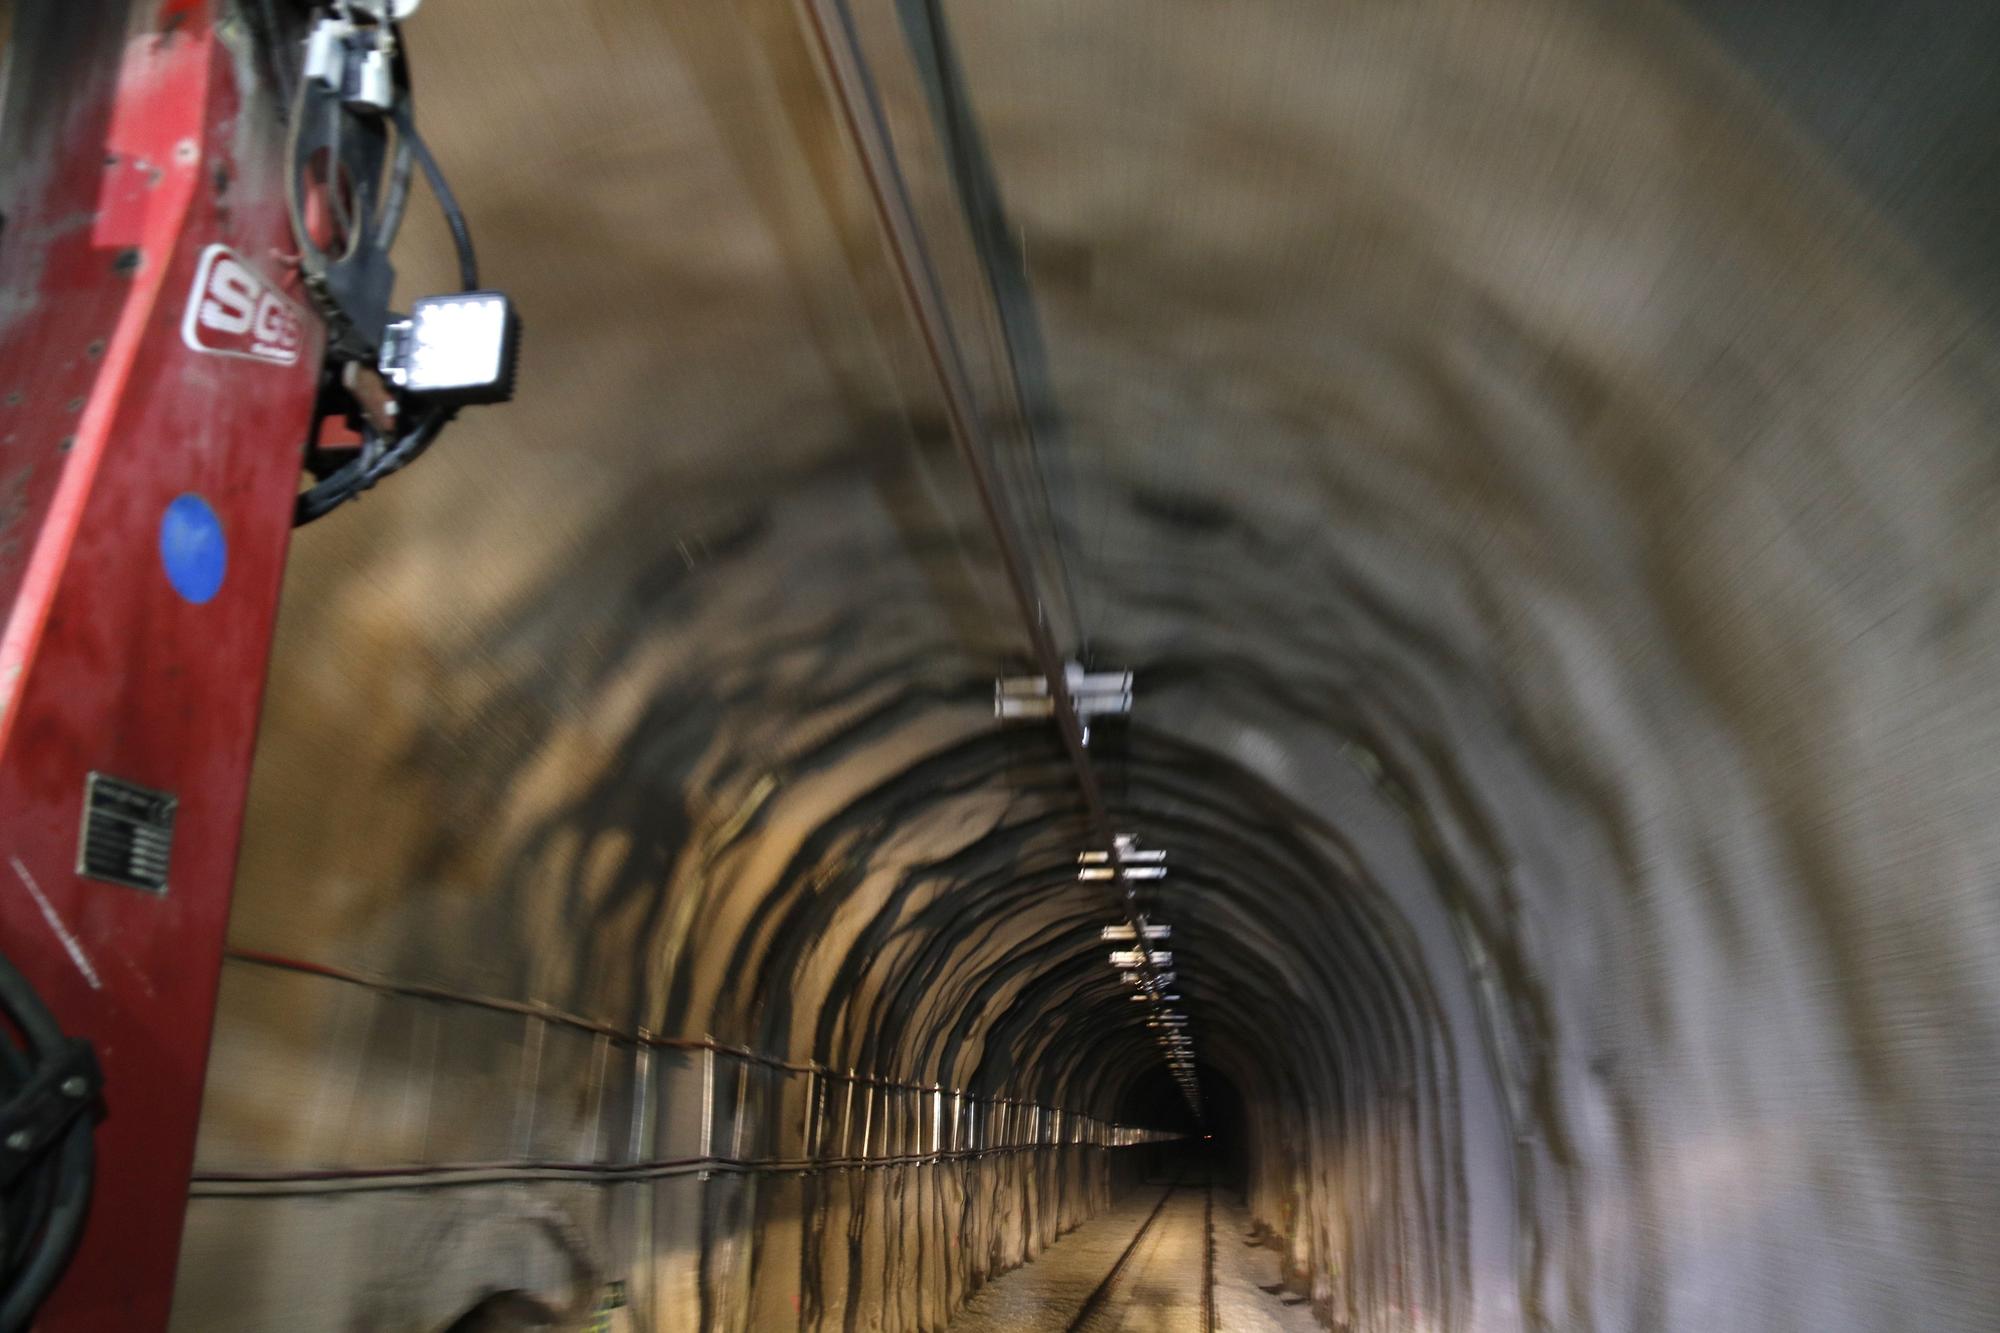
{"x":664,"y":1176}
{"x":1550,"y":519}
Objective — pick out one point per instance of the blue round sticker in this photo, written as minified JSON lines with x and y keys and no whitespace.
{"x":193,"y":549}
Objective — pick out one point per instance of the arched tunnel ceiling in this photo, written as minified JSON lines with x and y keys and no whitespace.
{"x":1548,"y":506}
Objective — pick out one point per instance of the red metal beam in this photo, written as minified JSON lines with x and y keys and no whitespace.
{"x":133,"y":149}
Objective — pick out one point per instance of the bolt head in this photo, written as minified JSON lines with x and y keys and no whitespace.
{"x":19,"y":1140}
{"x":74,"y":1086}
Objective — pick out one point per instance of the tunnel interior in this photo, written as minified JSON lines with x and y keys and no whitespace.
{"x":1544,"y":495}
{"x":1211,"y":1148}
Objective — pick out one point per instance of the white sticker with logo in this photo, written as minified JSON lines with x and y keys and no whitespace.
{"x":233,"y":311}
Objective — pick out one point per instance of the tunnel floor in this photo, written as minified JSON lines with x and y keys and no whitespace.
{"x":1167,"y":1258}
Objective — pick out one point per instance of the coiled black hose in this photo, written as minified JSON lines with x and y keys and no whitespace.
{"x":44,"y":1208}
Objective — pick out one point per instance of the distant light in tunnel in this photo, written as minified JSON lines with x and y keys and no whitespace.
{"x":1134,"y":862}
{"x":1129,"y":853}
{"x":1091,"y":693}
{"x":1099,"y":874}
{"x":1125,"y":934}
{"x":1148,"y":971}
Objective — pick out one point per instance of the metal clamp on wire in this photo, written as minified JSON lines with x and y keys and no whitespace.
{"x":396,"y":383}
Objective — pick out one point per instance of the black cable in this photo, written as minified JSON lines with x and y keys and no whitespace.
{"x":1004,"y":265}
{"x":454,"y":217}
{"x":338,"y":486}
{"x":337,"y":201}
{"x":75,"y":1164}
{"x":368,"y":467}
{"x":46,"y":1206}
{"x":398,"y":196}
{"x":23,"y":1209}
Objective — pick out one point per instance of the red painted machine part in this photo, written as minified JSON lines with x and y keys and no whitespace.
{"x":137,"y":149}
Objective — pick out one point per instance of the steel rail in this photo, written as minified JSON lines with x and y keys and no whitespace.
{"x":1208,"y":1259}
{"x":1095,"y":1301}
{"x":861,"y":113}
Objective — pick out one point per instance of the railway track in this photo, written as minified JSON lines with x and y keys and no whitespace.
{"x":1149,"y":1264}
{"x":1208,"y":1258}
{"x":1152,"y":1272}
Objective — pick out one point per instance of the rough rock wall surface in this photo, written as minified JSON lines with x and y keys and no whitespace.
{"x":1551,"y":511}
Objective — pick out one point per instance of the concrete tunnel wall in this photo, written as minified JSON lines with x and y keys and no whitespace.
{"x":1548,"y":505}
